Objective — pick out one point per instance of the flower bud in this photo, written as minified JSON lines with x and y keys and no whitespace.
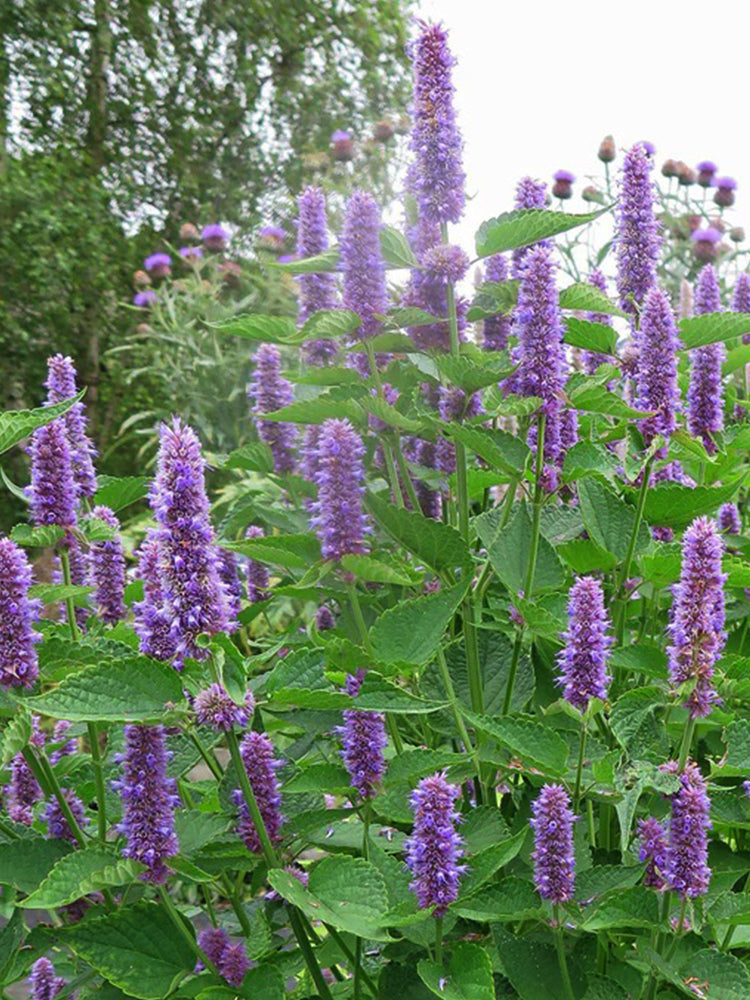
{"x":383,"y":130}
{"x":706,"y":172}
{"x":706,"y":244}
{"x":189,"y":233}
{"x":724,"y":194}
{"x":271,"y":238}
{"x":214,"y":237}
{"x":737,"y":234}
{"x":670,"y":168}
{"x":141,"y":279}
{"x":607,"y":150}
{"x":562,"y":188}
{"x":342,"y":146}
{"x":158,"y":265}
{"x":685,"y":175}
{"x":591,"y":193}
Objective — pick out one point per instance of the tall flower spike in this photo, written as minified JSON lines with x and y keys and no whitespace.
{"x":316,"y":291}
{"x":258,"y":579}
{"x":18,"y":612}
{"x":270,"y":391}
{"x":496,"y":329}
{"x":193,"y":594}
{"x":687,"y":872}
{"x":258,"y":757}
{"x":363,"y":268}
{"x":43,"y":983}
{"x":364,"y":740}
{"x":230,"y":579}
{"x":52,"y":490}
{"x":337,"y":514}
{"x":653,"y":850}
{"x":60,"y":385}
{"x":529,"y":194}
{"x":436,"y":177}
{"x":583,"y":659}
{"x":591,"y":359}
{"x":697,"y":626}
{"x":637,"y":239}
{"x":435,"y":848}
{"x":108,"y":570}
{"x":657,"y":366}
{"x":705,"y":403}
{"x":152,"y":621}
{"x":149,"y":799}
{"x":23,"y":792}
{"x":553,"y":856}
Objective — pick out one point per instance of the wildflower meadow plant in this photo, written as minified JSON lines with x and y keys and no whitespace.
{"x":436,"y":682}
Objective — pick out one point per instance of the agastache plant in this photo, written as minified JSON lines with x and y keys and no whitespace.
{"x":363,"y":741}
{"x":108,"y":570}
{"x":338,"y":517}
{"x":496,"y":329}
{"x":257,"y":753}
{"x":530,"y":194}
{"x":18,"y":613}
{"x":583,"y":659}
{"x":61,"y":385}
{"x":316,"y":291}
{"x":363,"y":269}
{"x":270,"y":391}
{"x":434,"y":850}
{"x":657,"y":389}
{"x":687,"y":870}
{"x":553,"y":855}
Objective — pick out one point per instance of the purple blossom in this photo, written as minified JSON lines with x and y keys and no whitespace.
{"x":436,"y":177}
{"x":43,"y":983}
{"x":212,"y":941}
{"x":705,"y":403}
{"x":657,"y":387}
{"x":741,"y":298}
{"x":214,"y":236}
{"x":592,"y":359}
{"x":191,"y":253}
{"x":687,"y":870}
{"x":18,"y":612}
{"x":562,"y":188}
{"x":61,"y":385}
{"x":706,"y":171}
{"x":270,"y":391}
{"x":364,"y":740}
{"x":214,"y":708}
{"x":724,"y":194}
{"x":583,"y":660}
{"x":428,"y":291}
{"x":22,"y":793}
{"x":194,"y":598}
{"x":230,"y":579}
{"x":68,"y":748}
{"x":257,"y":754}
{"x":144,"y":300}
{"x":324,"y":618}
{"x":653,"y":850}
{"x":434,"y":848}
{"x":637,"y":239}
{"x":553,"y":856}
{"x":52,"y":492}
{"x":309,"y":462}
{"x":149,"y":800}
{"x":316,"y":291}
{"x":158,"y":265}
{"x":258,"y":580}
{"x":568,"y":432}
{"x":447,"y":262}
{"x":234,"y":963}
{"x":453,"y":407}
{"x":338,"y":517}
{"x":108,"y":571}
{"x":496,"y":329}
{"x":697,"y":625}
{"x":57,"y":824}
{"x":363,"y":268}
{"x":152,"y":622}
{"x":530,"y":194}
{"x":729,"y":519}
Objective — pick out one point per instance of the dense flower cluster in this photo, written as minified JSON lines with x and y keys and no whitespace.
{"x":108,"y":570}
{"x":363,"y":739}
{"x":338,"y":517}
{"x":261,"y":765}
{"x":18,"y":612}
{"x":270,"y":391}
{"x":61,"y":385}
{"x":553,"y":855}
{"x":583,"y":659}
{"x":687,"y":871}
{"x":637,"y":239}
{"x":435,"y":848}
{"x":316,"y":291}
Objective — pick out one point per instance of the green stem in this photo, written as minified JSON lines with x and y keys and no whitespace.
{"x":408,"y":484}
{"x":350,"y":957}
{"x":70,"y":607}
{"x":560,"y":948}
{"x":579,"y":771}
{"x":439,"y":940}
{"x":457,"y":716}
{"x":237,"y":907}
{"x":101,"y":802}
{"x":179,"y":923}
{"x":680,"y":930}
{"x":620,"y":595}
{"x":590,"y":818}
{"x":366,"y":829}
{"x":687,"y":739}
{"x":56,"y":790}
{"x":357,"y":968}
{"x":208,"y":758}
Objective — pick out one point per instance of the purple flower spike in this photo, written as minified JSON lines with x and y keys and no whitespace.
{"x":234,"y":963}
{"x":529,"y":194}
{"x":583,"y":660}
{"x":213,"y":941}
{"x":337,"y":514}
{"x":437,"y":178}
{"x":687,"y":872}
{"x":447,"y":262}
{"x":554,"y":859}
{"x":152,"y":622}
{"x":43,"y":983}
{"x":270,"y":391}
{"x":22,"y":793}
{"x":194,"y":597}
{"x":364,"y":740}
{"x":229,"y":576}
{"x":324,"y":619}
{"x":496,"y":328}
{"x":428,"y":290}
{"x":57,"y":824}
{"x":52,"y":491}
{"x":149,"y":799}
{"x":637,"y":238}
{"x":434,"y":848}
{"x":653,"y":850}
{"x":18,"y":612}
{"x":657,"y":366}
{"x":214,"y":708}
{"x":741,"y":299}
{"x":108,"y":571}
{"x":61,"y":385}
{"x":697,"y":626}
{"x":258,"y":580}
{"x":591,"y":359}
{"x":316,"y":291}
{"x":705,"y":403}
{"x":729,"y":519}
{"x":363,"y":268}
{"x":258,"y":757}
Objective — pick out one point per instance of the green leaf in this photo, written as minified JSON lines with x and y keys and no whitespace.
{"x":436,"y":544}
{"x":675,"y":506}
{"x":330,"y":323}
{"x":737,"y":758}
{"x":533,"y":968}
{"x":634,"y":907}
{"x":586,"y":298}
{"x":15,"y":425}
{"x":486,"y":863}
{"x":633,"y":723}
{"x":15,"y":736}
{"x":333,"y":777}
{"x":523,"y":227}
{"x":593,"y":398}
{"x":504,"y":902}
{"x":293,"y":551}
{"x":24,"y":863}
{"x":137,"y":948}
{"x":390,"y":342}
{"x":534,"y":743}
{"x":471,"y":375}
{"x":584,"y":556}
{"x":608,"y":519}
{"x":737,"y":358}
{"x":256,"y":457}
{"x":590,"y":336}
{"x":508,"y":551}
{"x":727,"y":976}
{"x":370,"y":570}
{"x":115,"y":492}
{"x":469,"y":976}
{"x":270,"y":329}
{"x":390,"y":415}
{"x":379,"y":695}
{"x":603,"y":879}
{"x":80,"y":873}
{"x":314,"y":411}
{"x":349,"y":893}
{"x":95,"y":529}
{"x":37,"y":536}
{"x":405,"y":318}
{"x":11,"y":937}
{"x":492,"y":298}
{"x":499,"y":449}
{"x":395,"y":248}
{"x":411,"y":631}
{"x":710,"y":328}
{"x":585,"y":458}
{"x":51,"y":593}
{"x":321,"y":263}
{"x":127,"y":690}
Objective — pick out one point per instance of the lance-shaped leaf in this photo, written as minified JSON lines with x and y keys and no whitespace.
{"x":411,"y":631}
{"x":587,"y":298}
{"x":330,"y":323}
{"x":269,"y":329}
{"x":395,"y":248}
{"x":710,"y":328}
{"x":597,"y":337}
{"x":15,"y":425}
{"x":319,"y":264}
{"x":523,"y":227}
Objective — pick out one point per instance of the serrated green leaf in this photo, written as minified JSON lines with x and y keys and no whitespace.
{"x":395,"y":249}
{"x":584,"y":556}
{"x":411,"y":631}
{"x":370,"y":570}
{"x":321,"y":263}
{"x":25,"y":863}
{"x":737,"y":358}
{"x":523,"y":227}
{"x":333,"y":777}
{"x":469,"y":976}
{"x":603,"y":879}
{"x":585,"y":458}
{"x":505,"y":902}
{"x":592,"y":398}
{"x":390,"y":342}
{"x":710,"y":328}
{"x":35,"y":536}
{"x":379,"y":695}
{"x":119,"y":492}
{"x":80,"y":873}
{"x":471,"y":376}
{"x":590,"y":336}
{"x":293,"y":551}
{"x":486,"y":863}
{"x":15,"y":425}
{"x":737,"y":739}
{"x":51,"y":593}
{"x":608,"y":519}
{"x":498,"y":449}
{"x":493,"y":297}
{"x":256,"y":457}
{"x":586,"y":298}
{"x":330,"y":323}
{"x":391,"y":415}
{"x":508,"y":548}
{"x":633,"y":723}
{"x":315,"y":411}
{"x":532,"y":742}
{"x":269,"y":329}
{"x":437,"y":544}
{"x":634,"y":907}
{"x":405,"y":318}
{"x":533,"y":968}
{"x":675,"y":506}
{"x":727,"y":976}
{"x":15,"y":736}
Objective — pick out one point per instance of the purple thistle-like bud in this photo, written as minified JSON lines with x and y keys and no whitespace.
{"x":583,"y":660}
{"x":687,"y":870}
{"x":496,"y":329}
{"x":591,"y":359}
{"x":653,"y":849}
{"x":741,"y":299}
{"x":364,"y":740}
{"x":449,"y":263}
{"x":705,"y":403}
{"x":271,"y":391}
{"x":729,"y":519}
{"x":193,"y":594}
{"x":553,"y":856}
{"x":61,"y":385}
{"x":230,"y":579}
{"x":258,"y":579}
{"x":57,"y":824}
{"x":152,"y":621}
{"x":18,"y":612}
{"x":149,"y":799}
{"x":324,"y":618}
{"x":22,"y":793}
{"x":363,"y":268}
{"x":214,"y":708}
{"x":435,"y":847}
{"x":43,"y":983}
{"x":436,"y":177}
{"x":52,"y":492}
{"x":337,"y":514}
{"x":257,"y":754}
{"x":657,"y":366}
{"x":529,"y":194}
{"x":108,"y":571}
{"x":697,"y":626}
{"x":637,"y":239}
{"x":214,"y":236}
{"x":316,"y":291}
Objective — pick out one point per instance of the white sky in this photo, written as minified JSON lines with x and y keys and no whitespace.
{"x":540,"y":83}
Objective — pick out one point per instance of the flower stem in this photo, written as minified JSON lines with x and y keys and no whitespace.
{"x":439,"y":940}
{"x":579,"y":770}
{"x":101,"y":802}
{"x":70,"y":607}
{"x":456,"y":710}
{"x":560,"y":948}
{"x":687,"y":739}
